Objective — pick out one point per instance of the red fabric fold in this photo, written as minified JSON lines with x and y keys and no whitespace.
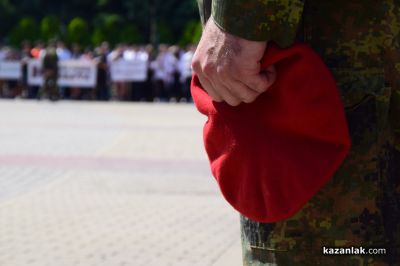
{"x":271,"y":156}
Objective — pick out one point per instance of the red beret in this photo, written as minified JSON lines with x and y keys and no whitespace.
{"x":271,"y":156}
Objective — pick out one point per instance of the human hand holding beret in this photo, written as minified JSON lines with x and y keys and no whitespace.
{"x":271,"y":156}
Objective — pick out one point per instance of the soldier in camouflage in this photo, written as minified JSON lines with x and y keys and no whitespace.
{"x":50,"y":73}
{"x":359,"y":41}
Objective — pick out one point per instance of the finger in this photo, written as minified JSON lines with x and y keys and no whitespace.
{"x":271,"y":74}
{"x":262,"y":81}
{"x":209,"y":88}
{"x":241,"y":91}
{"x":226,"y":94}
{"x":236,"y":90}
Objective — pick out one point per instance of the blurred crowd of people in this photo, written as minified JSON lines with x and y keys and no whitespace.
{"x":168,"y":74}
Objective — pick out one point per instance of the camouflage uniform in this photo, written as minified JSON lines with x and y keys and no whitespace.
{"x":50,"y":74}
{"x":360,"y":206}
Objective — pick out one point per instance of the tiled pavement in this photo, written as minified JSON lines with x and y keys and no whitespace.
{"x":109,"y":184}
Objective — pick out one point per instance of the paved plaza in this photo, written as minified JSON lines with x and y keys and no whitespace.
{"x":109,"y":184}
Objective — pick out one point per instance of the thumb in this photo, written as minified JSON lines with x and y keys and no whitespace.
{"x":260,"y":82}
{"x":270,"y":74}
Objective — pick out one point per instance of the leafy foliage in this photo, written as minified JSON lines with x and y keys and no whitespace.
{"x":26,"y":29}
{"x":191,"y":33}
{"x":98,"y":36}
{"x":105,"y":19}
{"x":165,"y":34}
{"x":78,"y":31}
{"x":50,"y":27}
{"x":130,"y":34}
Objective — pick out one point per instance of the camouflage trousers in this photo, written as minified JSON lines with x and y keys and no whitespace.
{"x":49,"y":87}
{"x":360,"y":206}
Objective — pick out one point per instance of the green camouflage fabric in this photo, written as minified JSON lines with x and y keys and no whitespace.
{"x":360,"y":42}
{"x":205,"y":9}
{"x":273,"y":19}
{"x":50,"y":75}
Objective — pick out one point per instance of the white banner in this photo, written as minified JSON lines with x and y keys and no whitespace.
{"x":10,"y":70}
{"x":77,"y":73}
{"x":35,"y":73}
{"x":127,"y":71}
{"x":72,"y":73}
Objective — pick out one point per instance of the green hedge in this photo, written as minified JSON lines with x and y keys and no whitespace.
{"x":105,"y":27}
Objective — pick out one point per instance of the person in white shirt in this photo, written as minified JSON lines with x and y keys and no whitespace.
{"x":63,"y":52}
{"x":164,"y":67}
{"x":185,"y":70}
{"x":2,"y":53}
{"x":139,"y":56}
{"x":121,"y":87}
{"x":129,"y":54}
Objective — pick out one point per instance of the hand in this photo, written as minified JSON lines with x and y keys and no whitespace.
{"x":228,"y":67}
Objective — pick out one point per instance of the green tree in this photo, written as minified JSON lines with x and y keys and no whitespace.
{"x":50,"y":27}
{"x":7,"y":16}
{"x":112,"y":25}
{"x":130,"y":34}
{"x":98,"y":36}
{"x":6,"y":7}
{"x":78,"y":31}
{"x":197,"y":33}
{"x":107,"y":27}
{"x":191,"y":33}
{"x":26,"y":29}
{"x":115,"y":14}
{"x":165,"y":34}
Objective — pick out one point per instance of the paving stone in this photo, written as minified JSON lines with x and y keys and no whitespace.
{"x":109,"y":184}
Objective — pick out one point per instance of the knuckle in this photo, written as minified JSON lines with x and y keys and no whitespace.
{"x":223,"y":75}
{"x":217,"y":99}
{"x":259,"y":85}
{"x":220,"y":70}
{"x":232,"y":102}
{"x":250,"y":100}
{"x":261,"y":89}
{"x":196,"y":66}
{"x":249,"y":97}
{"x":208,"y":68}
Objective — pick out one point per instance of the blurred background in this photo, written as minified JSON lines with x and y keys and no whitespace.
{"x":90,"y":22}
{"x":101,"y":152}
{"x":160,"y":34}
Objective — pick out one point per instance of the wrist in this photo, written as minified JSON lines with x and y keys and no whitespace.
{"x":235,"y":40}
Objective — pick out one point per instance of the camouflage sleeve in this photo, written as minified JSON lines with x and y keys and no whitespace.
{"x":259,"y":20}
{"x":204,"y":9}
